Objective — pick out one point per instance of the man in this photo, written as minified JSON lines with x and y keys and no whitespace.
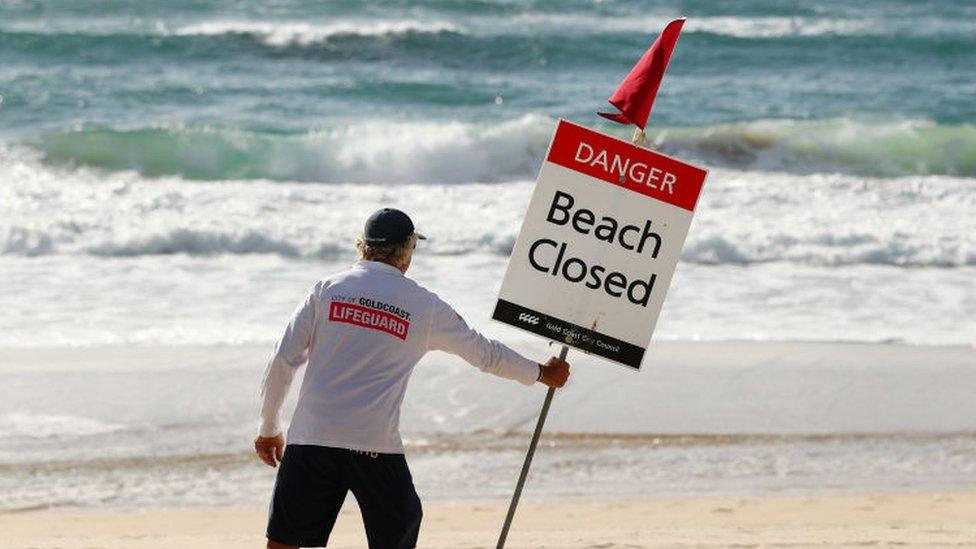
{"x":361,"y":332}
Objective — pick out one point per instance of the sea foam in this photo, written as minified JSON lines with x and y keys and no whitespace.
{"x":305,"y":34}
{"x":744,"y":217}
{"x":30,"y":425}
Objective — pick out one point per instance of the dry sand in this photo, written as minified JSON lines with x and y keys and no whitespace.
{"x":931,"y":519}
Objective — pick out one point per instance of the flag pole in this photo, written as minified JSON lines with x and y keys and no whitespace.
{"x":528,"y":459}
{"x":639,"y":137}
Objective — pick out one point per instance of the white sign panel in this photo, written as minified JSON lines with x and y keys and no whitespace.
{"x":599,"y":244}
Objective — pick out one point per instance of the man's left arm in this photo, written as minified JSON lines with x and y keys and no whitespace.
{"x":449,"y":332}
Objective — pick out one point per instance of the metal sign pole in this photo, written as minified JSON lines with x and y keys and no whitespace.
{"x":528,"y":459}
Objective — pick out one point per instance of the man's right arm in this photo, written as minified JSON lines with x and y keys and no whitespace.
{"x":289,"y":354}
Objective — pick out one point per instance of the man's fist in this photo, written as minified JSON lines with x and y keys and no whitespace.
{"x":270,"y":449}
{"x":554,"y":372}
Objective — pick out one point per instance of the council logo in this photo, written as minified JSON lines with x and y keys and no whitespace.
{"x":528,"y":319}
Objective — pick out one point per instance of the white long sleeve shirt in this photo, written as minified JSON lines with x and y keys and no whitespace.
{"x":361,"y":332}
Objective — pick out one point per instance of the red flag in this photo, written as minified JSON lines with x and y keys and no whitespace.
{"x":636,"y":93}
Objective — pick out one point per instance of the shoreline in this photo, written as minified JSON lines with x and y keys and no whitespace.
{"x":868,"y":518}
{"x":169,"y":426}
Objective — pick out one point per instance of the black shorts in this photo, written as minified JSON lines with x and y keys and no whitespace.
{"x":312,"y":483}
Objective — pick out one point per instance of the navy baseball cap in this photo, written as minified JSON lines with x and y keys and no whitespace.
{"x":389,"y":226}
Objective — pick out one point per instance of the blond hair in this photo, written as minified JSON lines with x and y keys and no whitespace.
{"x":391,"y":254}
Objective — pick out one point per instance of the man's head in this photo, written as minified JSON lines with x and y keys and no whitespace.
{"x":389,"y":237}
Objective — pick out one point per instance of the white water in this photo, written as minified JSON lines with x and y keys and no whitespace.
{"x":304,"y":34}
{"x":87,"y":256}
{"x":744,"y":217}
{"x":286,"y":32}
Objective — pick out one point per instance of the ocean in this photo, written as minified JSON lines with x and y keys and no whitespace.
{"x":174,"y":175}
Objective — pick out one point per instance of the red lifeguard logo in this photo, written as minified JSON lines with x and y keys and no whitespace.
{"x":365,"y":317}
{"x":620,"y":163}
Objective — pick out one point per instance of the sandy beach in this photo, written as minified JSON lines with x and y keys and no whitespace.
{"x":918,"y":520}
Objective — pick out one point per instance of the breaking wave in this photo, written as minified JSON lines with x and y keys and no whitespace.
{"x":463,"y":152}
{"x":909,"y":147}
{"x":732,"y":26}
{"x":828,"y":251}
{"x":24,"y":425}
{"x":429,"y":152}
{"x":305,"y":34}
{"x":315,"y":222}
{"x":255,"y":197}
{"x":821,"y":250}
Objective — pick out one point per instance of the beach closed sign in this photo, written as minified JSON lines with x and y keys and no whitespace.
{"x":599,"y":243}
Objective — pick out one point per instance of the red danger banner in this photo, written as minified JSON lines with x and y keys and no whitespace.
{"x":365,"y":317}
{"x":623,"y":164}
